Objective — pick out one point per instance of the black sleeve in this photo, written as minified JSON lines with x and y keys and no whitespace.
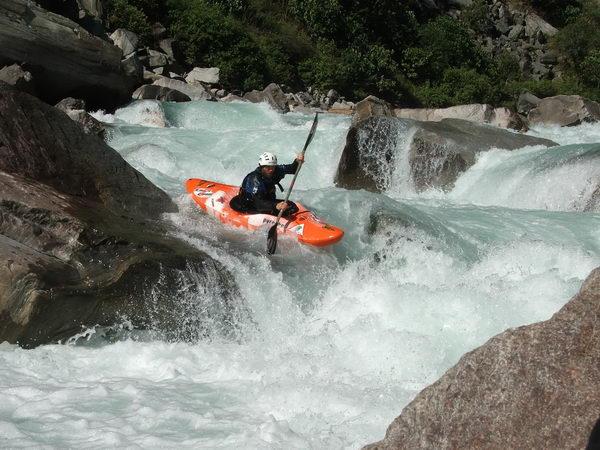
{"x":289,"y":168}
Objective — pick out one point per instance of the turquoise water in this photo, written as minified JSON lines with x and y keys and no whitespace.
{"x":342,"y":338}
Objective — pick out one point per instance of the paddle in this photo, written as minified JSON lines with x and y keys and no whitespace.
{"x":272,"y":236}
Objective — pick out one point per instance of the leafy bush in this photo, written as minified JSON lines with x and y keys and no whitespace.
{"x":477,"y":16}
{"x":124,"y":14}
{"x":207,"y":37}
{"x":450,"y":44}
{"x":590,"y":69}
{"x":459,"y":86}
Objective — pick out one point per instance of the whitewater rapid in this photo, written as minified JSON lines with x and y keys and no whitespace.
{"x":341,"y":338}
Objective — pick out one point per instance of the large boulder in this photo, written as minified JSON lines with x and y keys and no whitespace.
{"x":126,"y":40}
{"x":64,"y":59}
{"x":87,"y":13}
{"x":564,"y":110}
{"x":195,"y":92}
{"x":39,"y":144}
{"x":371,"y":107}
{"x":536,"y":386}
{"x":81,"y":243}
{"x":432,"y":154}
{"x":208,"y":75}
{"x":479,"y":113}
{"x":272,"y":94}
{"x":154,"y":92}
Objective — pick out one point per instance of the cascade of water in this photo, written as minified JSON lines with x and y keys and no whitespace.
{"x":336,"y":341}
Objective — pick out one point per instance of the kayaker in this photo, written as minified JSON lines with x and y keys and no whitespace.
{"x":257,"y":193}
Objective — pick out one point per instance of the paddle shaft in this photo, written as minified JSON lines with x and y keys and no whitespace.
{"x":272,"y":235}
{"x":287,"y":196}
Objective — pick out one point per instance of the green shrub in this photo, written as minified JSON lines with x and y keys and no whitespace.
{"x":590,"y":69}
{"x":459,"y":86}
{"x":579,"y":38}
{"x":477,"y":16}
{"x":206,"y":36}
{"x":124,"y":14}
{"x":451,"y":44}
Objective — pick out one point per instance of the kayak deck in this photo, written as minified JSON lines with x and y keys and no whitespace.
{"x":304,"y":225}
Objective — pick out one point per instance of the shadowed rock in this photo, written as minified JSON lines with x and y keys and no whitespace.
{"x":536,"y":386}
{"x":80,"y":244}
{"x":65,"y":59}
{"x":161,"y":93}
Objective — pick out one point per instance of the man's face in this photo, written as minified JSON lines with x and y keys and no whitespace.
{"x":268,"y":171}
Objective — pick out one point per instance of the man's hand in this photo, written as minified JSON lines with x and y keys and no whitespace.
{"x":300,"y":157}
{"x":281,"y":206}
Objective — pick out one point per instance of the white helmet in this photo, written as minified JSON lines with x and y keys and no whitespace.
{"x":267,"y":159}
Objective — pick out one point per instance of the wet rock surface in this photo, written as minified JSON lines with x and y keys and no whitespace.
{"x":435,"y":152}
{"x":535,"y":386}
{"x":81,"y":242}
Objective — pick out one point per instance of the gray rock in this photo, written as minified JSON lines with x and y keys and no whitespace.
{"x":479,"y":113}
{"x":333,"y":96}
{"x":438,"y":152}
{"x":526,"y":102}
{"x":154,"y":92}
{"x":371,"y":106}
{"x":196,"y":92}
{"x":166,"y":45}
{"x":516,"y":32}
{"x":156,"y":59}
{"x":19,"y":78}
{"x":75,"y":109}
{"x":232,"y":98}
{"x":126,"y":40}
{"x":70,"y":59}
{"x":208,"y":75}
{"x":93,"y":8}
{"x":150,"y":77}
{"x":132,"y":67}
{"x":530,"y":387}
{"x":272,"y":94}
{"x":534,"y":24}
{"x":564,"y":110}
{"x":593,"y":204}
{"x":80,"y":241}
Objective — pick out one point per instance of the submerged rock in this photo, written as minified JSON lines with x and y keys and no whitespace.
{"x":433,"y":154}
{"x":535,"y":386}
{"x":81,"y":243}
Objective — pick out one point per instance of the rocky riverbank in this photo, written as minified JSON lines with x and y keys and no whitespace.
{"x":531,"y":387}
{"x":82,"y":242}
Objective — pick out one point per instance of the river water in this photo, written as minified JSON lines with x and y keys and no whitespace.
{"x":341,"y":338}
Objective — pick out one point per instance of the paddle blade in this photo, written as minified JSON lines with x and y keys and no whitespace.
{"x":272,"y":240}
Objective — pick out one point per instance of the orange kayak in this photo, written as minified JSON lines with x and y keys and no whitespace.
{"x":304,"y":226}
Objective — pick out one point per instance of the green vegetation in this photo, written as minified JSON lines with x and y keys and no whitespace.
{"x":359,"y":47}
